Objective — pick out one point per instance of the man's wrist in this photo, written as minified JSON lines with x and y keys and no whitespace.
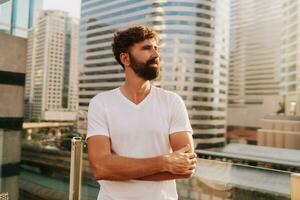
{"x":164,"y":163}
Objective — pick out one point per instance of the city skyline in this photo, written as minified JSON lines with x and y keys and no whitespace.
{"x":245,"y":114}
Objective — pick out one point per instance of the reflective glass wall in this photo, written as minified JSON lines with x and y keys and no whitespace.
{"x":17,"y":16}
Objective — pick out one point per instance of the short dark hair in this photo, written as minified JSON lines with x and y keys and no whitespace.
{"x":125,"y":39}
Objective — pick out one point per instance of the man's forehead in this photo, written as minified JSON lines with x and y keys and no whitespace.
{"x":151,"y":42}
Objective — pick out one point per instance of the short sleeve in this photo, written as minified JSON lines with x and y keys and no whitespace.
{"x":97,"y":123}
{"x":179,"y":116}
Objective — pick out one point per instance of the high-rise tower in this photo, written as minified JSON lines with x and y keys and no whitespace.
{"x":194,"y":55}
{"x":51,"y":73}
{"x":254,"y":61}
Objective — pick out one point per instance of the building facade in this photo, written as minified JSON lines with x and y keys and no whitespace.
{"x":254,"y":61}
{"x":51,"y":74}
{"x":12,"y":82}
{"x":283,"y":130}
{"x":280,"y":131}
{"x":290,"y":61}
{"x":194,"y":45}
{"x":17,"y":16}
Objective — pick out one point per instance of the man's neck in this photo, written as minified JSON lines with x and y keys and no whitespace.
{"x":136,"y":89}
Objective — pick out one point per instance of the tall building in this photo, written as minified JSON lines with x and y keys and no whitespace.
{"x":254,"y":61}
{"x":12,"y":81}
{"x":290,"y":62}
{"x":194,"y":55}
{"x":17,"y":16}
{"x":283,"y":130}
{"x":51,"y":74}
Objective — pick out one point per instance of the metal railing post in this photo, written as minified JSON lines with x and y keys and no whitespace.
{"x":295,"y":186}
{"x":75,"y":169}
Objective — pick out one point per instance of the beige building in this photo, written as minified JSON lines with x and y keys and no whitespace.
{"x":290,"y":62}
{"x":280,"y":131}
{"x":12,"y":81}
{"x":283,"y":130}
{"x":52,"y":62}
{"x":254,"y":60}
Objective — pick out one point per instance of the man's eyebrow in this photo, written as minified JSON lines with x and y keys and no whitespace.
{"x":148,"y":46}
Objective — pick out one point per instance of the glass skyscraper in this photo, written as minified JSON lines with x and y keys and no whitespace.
{"x":194,"y":51}
{"x":17,"y":16}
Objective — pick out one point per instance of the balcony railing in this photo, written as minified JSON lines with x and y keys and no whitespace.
{"x":216,"y":176}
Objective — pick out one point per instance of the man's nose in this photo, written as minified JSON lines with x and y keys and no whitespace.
{"x":155,"y":53}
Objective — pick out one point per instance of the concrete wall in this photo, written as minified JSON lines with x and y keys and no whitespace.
{"x":59,"y":116}
{"x":251,"y":115}
{"x":280,"y":131}
{"x":12,"y":81}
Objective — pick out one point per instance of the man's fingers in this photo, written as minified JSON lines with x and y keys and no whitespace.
{"x":193,"y":167}
{"x":191,"y":155}
{"x":190,"y":171}
{"x":193,"y":161}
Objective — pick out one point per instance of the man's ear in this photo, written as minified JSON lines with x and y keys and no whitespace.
{"x":124,"y":58}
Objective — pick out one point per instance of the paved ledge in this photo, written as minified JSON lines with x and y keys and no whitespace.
{"x":215,"y":179}
{"x":282,"y":117}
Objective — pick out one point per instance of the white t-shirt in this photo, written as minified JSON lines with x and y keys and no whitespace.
{"x":138,"y":131}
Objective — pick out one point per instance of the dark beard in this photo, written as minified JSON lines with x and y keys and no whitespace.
{"x":145,"y":71}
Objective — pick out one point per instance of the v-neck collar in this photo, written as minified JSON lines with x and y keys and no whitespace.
{"x":144,"y":101}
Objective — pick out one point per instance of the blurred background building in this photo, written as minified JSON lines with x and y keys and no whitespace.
{"x":283,"y":131}
{"x":51,"y":73}
{"x":254,"y":60}
{"x":12,"y":82}
{"x":17,"y":16}
{"x":264,"y":80}
{"x":194,"y":50}
{"x":289,"y":57}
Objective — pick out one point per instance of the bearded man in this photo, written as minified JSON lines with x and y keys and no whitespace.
{"x":139,"y":136}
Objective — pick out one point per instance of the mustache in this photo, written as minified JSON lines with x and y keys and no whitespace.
{"x":153,"y":61}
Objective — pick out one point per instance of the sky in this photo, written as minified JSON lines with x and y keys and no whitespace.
{"x":71,"y":6}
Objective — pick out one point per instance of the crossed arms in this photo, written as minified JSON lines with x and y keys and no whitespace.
{"x":107,"y":166}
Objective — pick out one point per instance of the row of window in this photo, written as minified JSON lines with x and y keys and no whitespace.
{"x":143,"y":16}
{"x":107,"y":80}
{"x":163,"y":41}
{"x":207,"y":126}
{"x":205,"y":108}
{"x":131,"y":2}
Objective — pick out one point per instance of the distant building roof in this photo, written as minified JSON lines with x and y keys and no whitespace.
{"x":280,"y":155}
{"x":249,"y":135}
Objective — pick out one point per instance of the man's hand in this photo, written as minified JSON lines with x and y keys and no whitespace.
{"x":181,"y":161}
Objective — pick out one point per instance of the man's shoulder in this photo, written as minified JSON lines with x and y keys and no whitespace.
{"x":104,"y":96}
{"x":166,"y":93}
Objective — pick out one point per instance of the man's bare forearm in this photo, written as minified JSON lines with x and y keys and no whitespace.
{"x":113,"y":167}
{"x":108,"y":166}
{"x":163,"y":176}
